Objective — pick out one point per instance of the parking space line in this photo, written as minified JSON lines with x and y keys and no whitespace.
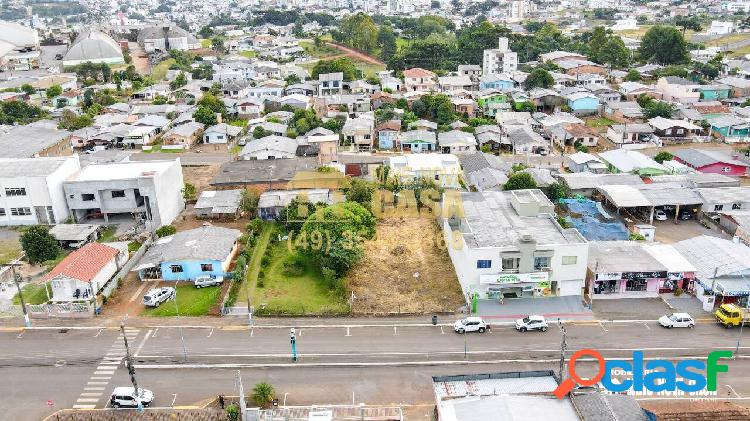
{"x":174,"y":398}
{"x":93,"y":394}
{"x":153,"y":335}
{"x":251,"y":332}
{"x":137,"y":293}
{"x":300,"y":332}
{"x":602,"y":326}
{"x":98,"y":333}
{"x":104,"y":372}
{"x":143,"y":342}
{"x":394,"y":331}
{"x":647,"y":327}
{"x":93,"y":389}
{"x":733,"y":391}
{"x":347,"y":331}
{"x":100,"y":378}
{"x":84,"y":406}
{"x":210,"y":333}
{"x":441,"y":331}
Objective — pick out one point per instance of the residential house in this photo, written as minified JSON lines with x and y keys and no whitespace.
{"x":577,"y":67}
{"x":628,"y":161}
{"x":262,"y":174}
{"x":730,"y":128}
{"x":623,"y":111}
{"x":570,"y":135}
{"x":606,"y":94}
{"x":586,"y":183}
{"x":387,"y":134}
{"x":583,"y":103}
{"x":455,"y":83}
{"x":74,"y":236}
{"x":496,"y":81}
{"x":419,"y":80}
{"x":418,"y":141}
{"x":484,"y":171}
{"x":269,"y":88}
{"x":31,"y":191}
{"x":327,"y":143}
{"x":738,"y":87}
{"x":492,"y":101}
{"x":443,"y":169}
{"x":358,"y":132}
{"x":548,"y":99}
{"x":362,"y":87}
{"x":472,"y":71}
{"x":306,"y":89}
{"x":630,"y":133}
{"x":331,"y":84}
{"x":491,"y":135}
{"x":456,"y":142}
{"x":149,"y":192}
{"x":585,"y":162}
{"x":555,"y":56}
{"x":184,"y":135}
{"x":84,"y":272}
{"x":711,"y":161}
{"x":379,"y":98}
{"x":221,"y":133}
{"x":167,"y":37}
{"x":714,"y":92}
{"x":674,"y":129}
{"x":500,"y":59}
{"x":218,"y":204}
{"x":186,"y":255}
{"x":270,"y":147}
{"x":508,"y":243}
{"x":524,"y":140}
{"x":424,"y":125}
{"x":273,"y":203}
{"x":38,"y":139}
{"x":677,"y":89}
{"x":632,"y":90}
{"x":250,"y":107}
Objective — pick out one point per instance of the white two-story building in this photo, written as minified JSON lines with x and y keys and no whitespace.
{"x":509,"y":244}
{"x":31,"y":190}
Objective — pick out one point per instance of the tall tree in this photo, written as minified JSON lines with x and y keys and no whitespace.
{"x":664,"y":45}
{"x":598,"y":39}
{"x":386,"y":42}
{"x":38,"y":244}
{"x":615,"y":53}
{"x":343,"y":64}
{"x":539,"y":78}
{"x":359,"y":31}
{"x":474,"y":39}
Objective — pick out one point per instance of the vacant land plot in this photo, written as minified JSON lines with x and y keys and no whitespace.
{"x":199,"y":176}
{"x":323,"y":51}
{"x":33,"y":294}
{"x":191,"y":301}
{"x":406,"y":269}
{"x":293,"y":286}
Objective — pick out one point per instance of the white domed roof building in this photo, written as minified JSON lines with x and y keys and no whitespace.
{"x":19,"y":47}
{"x":93,"y":46}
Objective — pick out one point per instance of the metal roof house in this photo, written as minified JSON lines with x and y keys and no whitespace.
{"x":218,"y":204}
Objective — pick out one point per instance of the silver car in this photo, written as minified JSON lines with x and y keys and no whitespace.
{"x":207,"y":281}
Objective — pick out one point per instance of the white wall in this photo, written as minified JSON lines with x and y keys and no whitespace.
{"x":169,"y":185}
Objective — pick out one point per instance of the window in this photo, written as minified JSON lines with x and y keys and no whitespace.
{"x":2,"y":211}
{"x":726,"y":169}
{"x":510,"y":263}
{"x":176,"y":268}
{"x":207,"y":267}
{"x":15,"y":191}
{"x":736,"y":206}
{"x":437,"y":177}
{"x":718,"y":207}
{"x":484,"y":264}
{"x":118,"y":193}
{"x":541,"y":263}
{"x":569,"y":260}
{"x":20,"y":211}
{"x":87,"y":197}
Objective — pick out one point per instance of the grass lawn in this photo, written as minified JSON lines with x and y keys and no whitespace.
{"x":107,"y":236}
{"x":33,"y":294}
{"x":248,"y":54}
{"x":600,"y":123}
{"x":234,"y":150}
{"x":319,"y":52}
{"x":727,"y":39}
{"x":159,"y":72}
{"x":52,"y":263}
{"x":9,"y":251}
{"x":303,"y":293}
{"x":205,"y":43}
{"x":368,"y":69}
{"x":191,"y":301}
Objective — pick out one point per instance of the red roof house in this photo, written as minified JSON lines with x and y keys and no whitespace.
{"x":85,"y":271}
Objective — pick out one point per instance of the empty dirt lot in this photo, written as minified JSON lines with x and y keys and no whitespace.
{"x":405,"y":269}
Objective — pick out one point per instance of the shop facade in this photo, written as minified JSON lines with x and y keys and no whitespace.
{"x":633,"y":283}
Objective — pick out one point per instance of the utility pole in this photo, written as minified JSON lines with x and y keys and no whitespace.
{"x":128,"y":357}
{"x":293,"y":338}
{"x":241,"y":390}
{"x":563,"y":347}
{"x":16,"y":278}
{"x":177,"y":310}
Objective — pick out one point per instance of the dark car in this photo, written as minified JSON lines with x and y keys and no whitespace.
{"x":685,"y":215}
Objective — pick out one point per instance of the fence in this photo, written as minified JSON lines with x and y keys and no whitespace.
{"x":62,"y":310}
{"x":111,"y":286}
{"x":235,"y":311}
{"x":336,"y":413}
{"x":208,"y":414}
{"x":11,"y":311}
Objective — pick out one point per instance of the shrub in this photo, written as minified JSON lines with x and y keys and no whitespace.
{"x":263,"y":394}
{"x":165,"y":231}
{"x":233,"y":412}
{"x":261,"y":283}
{"x":678,"y":291}
{"x":636,"y":237}
{"x":261,"y":274}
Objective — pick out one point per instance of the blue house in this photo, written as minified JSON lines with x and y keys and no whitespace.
{"x":387,"y":134}
{"x":714,"y":92}
{"x":186,"y":255}
{"x":494,"y":81}
{"x":583,"y":103}
{"x":729,"y":127}
{"x":418,"y":141}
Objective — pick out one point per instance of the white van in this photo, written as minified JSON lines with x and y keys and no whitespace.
{"x":127,"y":398}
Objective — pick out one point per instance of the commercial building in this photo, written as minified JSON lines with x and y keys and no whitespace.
{"x":31,"y":190}
{"x":95,"y":47}
{"x":149,"y":192}
{"x":499,"y":60}
{"x":508,"y":243}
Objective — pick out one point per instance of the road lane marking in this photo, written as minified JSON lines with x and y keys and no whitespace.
{"x":89,"y":400}
{"x":602,"y":326}
{"x":93,"y":389}
{"x":300,"y":332}
{"x":647,"y":327}
{"x":92,"y":394}
{"x":100,"y":378}
{"x":348,"y":333}
{"x":104,"y":373}
{"x":394,"y":331}
{"x":96,"y":383}
{"x":251,"y":332}
{"x":84,"y":406}
{"x":98,"y":333}
{"x":441,"y":331}
{"x":137,"y":293}
{"x":210,"y":333}
{"x":153,"y":335}
{"x":174,"y":398}
{"x":143,"y":342}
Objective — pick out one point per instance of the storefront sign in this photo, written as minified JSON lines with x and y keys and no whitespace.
{"x":674,"y":276}
{"x":643,"y":275}
{"x":514,"y":278}
{"x":608,"y":276}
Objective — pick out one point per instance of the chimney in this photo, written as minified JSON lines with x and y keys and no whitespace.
{"x":502,"y":43}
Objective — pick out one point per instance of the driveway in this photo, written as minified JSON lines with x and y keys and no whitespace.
{"x":630,"y":309}
{"x":567,"y":307}
{"x":669,"y":232}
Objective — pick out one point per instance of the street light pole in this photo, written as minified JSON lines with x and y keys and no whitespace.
{"x":177,"y":310}
{"x":16,"y":277}
{"x":128,"y":357}
{"x":563,"y":347}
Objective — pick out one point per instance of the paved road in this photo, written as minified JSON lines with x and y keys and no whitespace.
{"x":380,"y":364}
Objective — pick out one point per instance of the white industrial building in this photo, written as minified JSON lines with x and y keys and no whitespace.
{"x":149,"y":192}
{"x":499,"y":60}
{"x":31,"y":191}
{"x":509,"y":243}
{"x":93,"y":46}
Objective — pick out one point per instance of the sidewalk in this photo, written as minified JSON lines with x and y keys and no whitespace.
{"x":567,"y":307}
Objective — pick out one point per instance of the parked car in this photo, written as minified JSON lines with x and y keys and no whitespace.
{"x":685,"y":215}
{"x":156,"y":296}
{"x":532,"y":322}
{"x":676,"y":320}
{"x":471,"y":324}
{"x":126,"y":397}
{"x":207,"y":281}
{"x":731,"y":315}
{"x":660,"y":215}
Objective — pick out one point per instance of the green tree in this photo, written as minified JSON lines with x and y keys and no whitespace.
{"x":38,"y":244}
{"x":205,"y":115}
{"x":165,"y":231}
{"x":259,"y":132}
{"x":472,"y":40}
{"x":436,"y":52}
{"x":663,"y":156}
{"x":557,"y":191}
{"x":19,"y":112}
{"x":71,"y":121}
{"x":292,"y":79}
{"x":539,"y":78}
{"x":387,"y":42}
{"x":632,"y":76}
{"x":688,"y":22}
{"x":343,"y":64}
{"x":28,"y":89}
{"x":664,"y":45}
{"x":520,"y":181}
{"x":360,"y":191}
{"x":658,"y":109}
{"x":615,"y":53}
{"x":179,"y":81}
{"x":188,"y":192}
{"x":213,"y":103}
{"x":599,"y":38}
{"x":263,"y":394}
{"x":54,"y":91}
{"x":217,"y":43}
{"x":249,"y":201}
{"x":359,"y":31}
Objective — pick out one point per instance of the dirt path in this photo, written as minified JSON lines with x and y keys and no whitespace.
{"x":254,"y":265}
{"x":356,"y":54}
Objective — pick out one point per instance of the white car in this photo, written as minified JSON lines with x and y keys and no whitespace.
{"x":207,"y":281}
{"x":660,"y":215}
{"x":531,"y":322}
{"x":126,"y":397}
{"x":677,"y":320}
{"x":156,"y":296}
{"x":471,"y":324}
